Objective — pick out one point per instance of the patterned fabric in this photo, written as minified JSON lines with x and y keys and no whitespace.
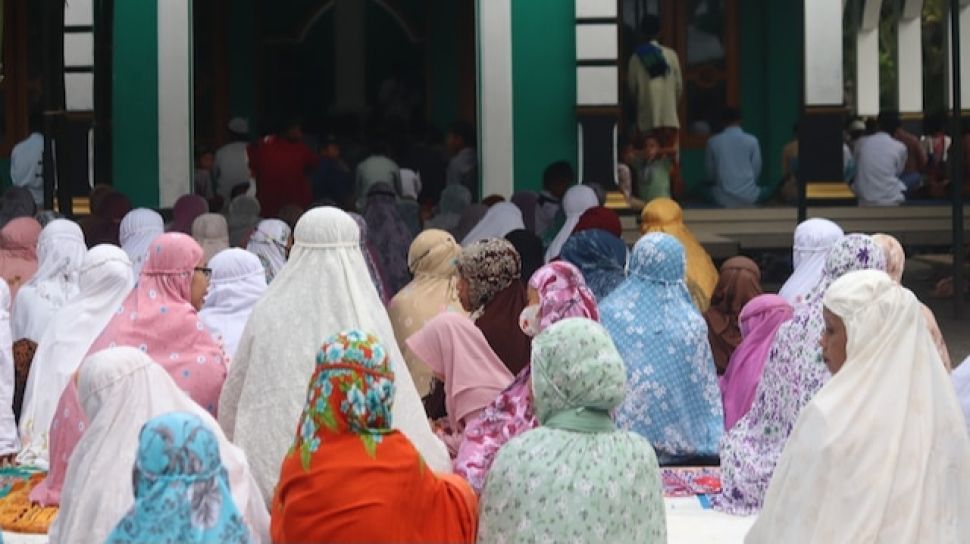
{"x":577,"y":478}
{"x":489,"y":266}
{"x":562,"y":294}
{"x":181,"y":488}
{"x":792,"y":375}
{"x":374,"y":266}
{"x":673,"y":398}
{"x":18,"y":252}
{"x":344,"y":442}
{"x":268,"y":242}
{"x":738,"y":283}
{"x":390,"y":236}
{"x":600,"y":256}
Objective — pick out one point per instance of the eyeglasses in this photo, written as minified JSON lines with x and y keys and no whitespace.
{"x":207,"y":272}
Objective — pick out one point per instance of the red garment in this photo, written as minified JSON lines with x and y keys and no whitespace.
{"x":280,"y":167}
{"x":601,"y":218}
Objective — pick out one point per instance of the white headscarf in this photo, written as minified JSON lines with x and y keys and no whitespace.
{"x":961,"y":382}
{"x":501,"y":219}
{"x":881,"y":454}
{"x":138,"y":228}
{"x":8,"y":425}
{"x":813,"y":240}
{"x":211,"y":231}
{"x":60,"y":253}
{"x":410,"y":184}
{"x":324,"y":289}
{"x":576,"y":201}
{"x":121,"y":389}
{"x":238,"y":282}
{"x":268,"y":242}
{"x":105,"y":281}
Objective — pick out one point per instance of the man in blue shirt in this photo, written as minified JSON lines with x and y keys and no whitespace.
{"x":734,"y":164}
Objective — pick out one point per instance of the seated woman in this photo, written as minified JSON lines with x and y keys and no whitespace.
{"x":674,"y":401}
{"x":269,"y":242}
{"x":577,"y":478}
{"x":211,"y":231}
{"x":813,"y":240}
{"x":881,"y":453}
{"x":600,"y":256}
{"x":457,"y":353}
{"x":138,"y":229}
{"x":120,"y":390}
{"x":348,"y":476}
{"x":665,"y":215}
{"x":178,"y":454}
{"x":738,"y":283}
{"x":238,"y":283}
{"x":556,"y":291}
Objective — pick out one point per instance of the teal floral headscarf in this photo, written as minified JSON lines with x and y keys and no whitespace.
{"x":576,"y":478}
{"x":181,"y":488}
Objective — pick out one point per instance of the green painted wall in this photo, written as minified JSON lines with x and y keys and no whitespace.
{"x":134,"y":107}
{"x":543,"y":87}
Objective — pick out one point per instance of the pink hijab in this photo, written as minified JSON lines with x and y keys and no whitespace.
{"x":457,"y":351}
{"x":760,"y":319}
{"x":562,"y":293}
{"x":18,"y":252}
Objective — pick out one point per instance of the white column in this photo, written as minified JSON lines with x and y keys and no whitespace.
{"x":823,"y":52}
{"x":496,"y":131}
{"x":910,"y":57}
{"x":867,"y":59}
{"x":175,"y":162}
{"x":349,"y":56}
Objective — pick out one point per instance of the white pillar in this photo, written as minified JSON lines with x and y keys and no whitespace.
{"x":910,"y":57}
{"x":349,"y":40}
{"x":175,"y":161}
{"x":496,"y":131}
{"x":823,"y":53}
{"x":867,"y":59}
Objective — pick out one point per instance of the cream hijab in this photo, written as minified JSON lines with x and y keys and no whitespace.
{"x":324,"y":289}
{"x":211,"y":231}
{"x":431,"y":260}
{"x":120,"y":390}
{"x":881,"y":454}
{"x":106,"y":279}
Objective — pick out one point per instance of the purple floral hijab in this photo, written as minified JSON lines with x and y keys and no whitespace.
{"x":389,"y":235}
{"x":793,"y":373}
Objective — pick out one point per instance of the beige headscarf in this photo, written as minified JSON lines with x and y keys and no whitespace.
{"x":895,"y":264}
{"x":431,"y":260}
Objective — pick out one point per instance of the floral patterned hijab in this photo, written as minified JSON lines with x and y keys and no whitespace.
{"x":490,"y":266}
{"x":793,"y":373}
{"x":181,"y":487}
{"x":600,"y":256}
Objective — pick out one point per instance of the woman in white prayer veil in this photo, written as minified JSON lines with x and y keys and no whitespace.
{"x":500,"y":219}
{"x":269,"y":242}
{"x":9,"y":444}
{"x":881,"y":453}
{"x":238,"y":282}
{"x":324,"y":288}
{"x":813,"y":240}
{"x":138,"y":228}
{"x":60,"y":253}
{"x":105,"y":280}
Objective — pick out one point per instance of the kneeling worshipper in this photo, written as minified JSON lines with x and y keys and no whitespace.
{"x":457,"y":353}
{"x":323,"y":288}
{"x":557,"y":291}
{"x":103,"y":225}
{"x":138,"y":229}
{"x":348,"y":475}
{"x":269,"y":242}
{"x":60,"y":253}
{"x":759,"y":321}
{"x":120,"y":390}
{"x":18,"y":252}
{"x":895,"y":265}
{"x":9,"y":442}
{"x":374,"y":266}
{"x":792,"y":375}
{"x":500,"y":219}
{"x":575,"y":202}
{"x":601,"y":256}
{"x":577,"y":478}
{"x":104,"y":282}
{"x":181,"y":487}
{"x":16,"y":202}
{"x":530,"y":250}
{"x":452,"y":203}
{"x":431,"y":260}
{"x":738,"y":283}
{"x":211,"y":231}
{"x":243,"y":218}
{"x":673,"y":399}
{"x":469,"y":219}
{"x":389,"y":235}
{"x":238,"y":283}
{"x":814,"y":238}
{"x":184,"y":212}
{"x":491,"y":290}
{"x":665,"y":215}
{"x":881,"y":453}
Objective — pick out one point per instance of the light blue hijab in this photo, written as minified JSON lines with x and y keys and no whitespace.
{"x":181,"y":488}
{"x":672,"y":397}
{"x":600,"y":256}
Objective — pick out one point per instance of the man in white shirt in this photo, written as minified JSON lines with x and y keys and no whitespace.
{"x":27,"y":162}
{"x":880,"y":160}
{"x":231,"y":166}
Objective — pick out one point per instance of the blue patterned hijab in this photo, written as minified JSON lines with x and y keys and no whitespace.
{"x":672,"y":394}
{"x":600,"y":256}
{"x":181,"y":488}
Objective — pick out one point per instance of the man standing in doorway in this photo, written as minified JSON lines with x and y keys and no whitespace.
{"x":656,"y":85}
{"x":280,"y":164}
{"x":231,"y":166}
{"x":27,"y":162}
